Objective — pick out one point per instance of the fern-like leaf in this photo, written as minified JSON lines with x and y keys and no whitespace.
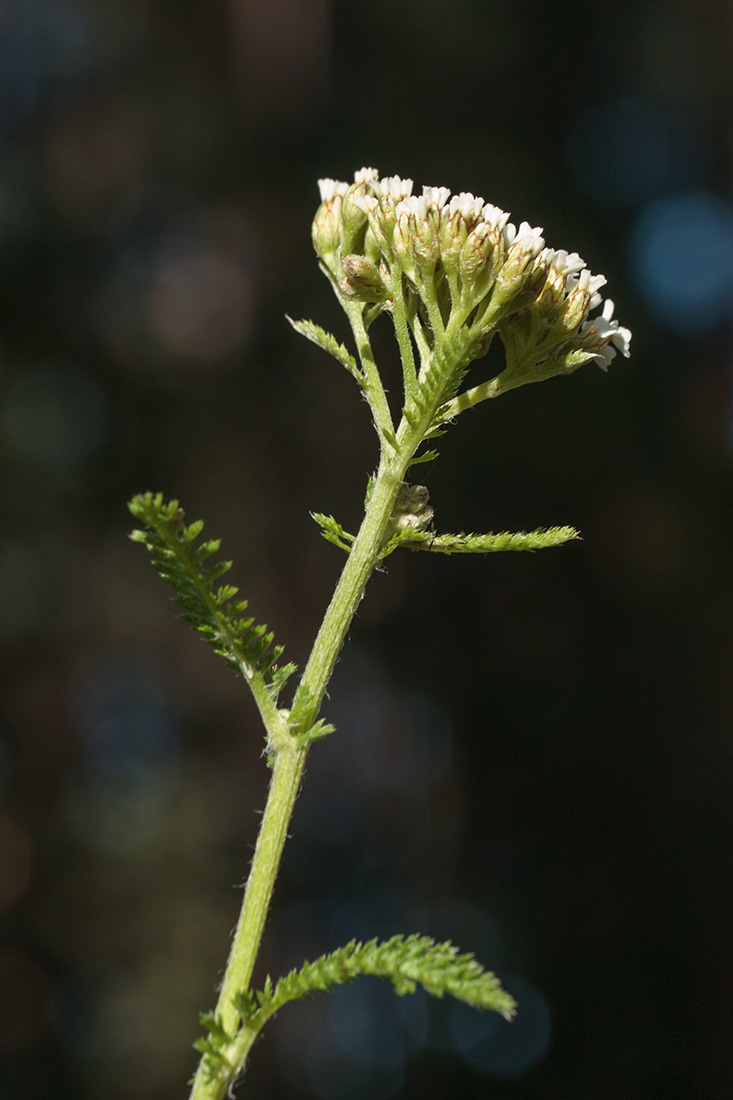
{"x":540,"y":539}
{"x":329,"y":344}
{"x":404,"y":961}
{"x":246,"y":646}
{"x":213,"y":1046}
{"x":332,"y":531}
{"x":440,"y":379}
{"x":316,"y":732}
{"x":426,"y":456}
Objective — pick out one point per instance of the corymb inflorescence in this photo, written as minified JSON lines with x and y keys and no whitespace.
{"x":462,"y":264}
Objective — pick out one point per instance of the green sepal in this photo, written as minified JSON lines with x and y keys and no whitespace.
{"x":329,"y":344}
{"x":247,"y":647}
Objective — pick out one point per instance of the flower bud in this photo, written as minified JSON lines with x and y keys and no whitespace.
{"x":402,"y":239}
{"x":412,"y":511}
{"x":550,"y":299}
{"x":362,"y":279}
{"x":326,"y":228}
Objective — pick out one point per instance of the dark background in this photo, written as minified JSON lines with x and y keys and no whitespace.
{"x":534,"y":753}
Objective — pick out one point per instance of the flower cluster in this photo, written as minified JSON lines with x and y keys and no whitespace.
{"x":458,"y":261}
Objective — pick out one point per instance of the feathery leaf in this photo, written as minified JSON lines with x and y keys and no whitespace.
{"x":426,"y":456}
{"x":440,"y":378}
{"x":329,"y":344}
{"x":404,"y":961}
{"x":213,"y":1045}
{"x":332,"y":531}
{"x":246,"y":646}
{"x":540,"y":539}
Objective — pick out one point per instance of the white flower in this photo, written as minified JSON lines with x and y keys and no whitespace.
{"x":393,"y":187}
{"x":366,"y":175}
{"x":366,"y":203}
{"x":605,"y":328}
{"x":475,"y":240}
{"x":465,"y":204}
{"x":525,"y":239}
{"x":587,"y":283}
{"x":436,"y":196}
{"x":411,"y":205}
{"x":567,"y":263}
{"x":331,"y":188}
{"x":495,"y":217}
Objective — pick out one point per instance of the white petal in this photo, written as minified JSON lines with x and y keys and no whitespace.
{"x":330,"y":188}
{"x":367,"y":203}
{"x":436,"y":196}
{"x":366,"y":175}
{"x":622,"y":338}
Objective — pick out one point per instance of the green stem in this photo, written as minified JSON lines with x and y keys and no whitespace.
{"x":290,"y":754}
{"x":471,"y":397}
{"x":402,"y":332}
{"x":284,"y":785}
{"x":374,"y":391}
{"x":360,"y":564}
{"x":431,"y":302}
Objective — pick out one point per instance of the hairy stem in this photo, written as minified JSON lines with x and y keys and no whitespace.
{"x":289,"y":763}
{"x":284,"y":785}
{"x":349,"y":591}
{"x":402,"y":332}
{"x":375,"y":394}
{"x":469,"y":398}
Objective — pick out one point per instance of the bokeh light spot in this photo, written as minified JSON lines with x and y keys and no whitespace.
{"x":201,"y":305}
{"x":681,"y":252}
{"x":361,"y":1051}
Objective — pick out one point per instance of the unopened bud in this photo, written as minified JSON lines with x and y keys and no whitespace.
{"x":326,"y":231}
{"x":362,"y":279}
{"x":411,"y":510}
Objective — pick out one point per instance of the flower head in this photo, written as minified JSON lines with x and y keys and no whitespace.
{"x":459,"y":262}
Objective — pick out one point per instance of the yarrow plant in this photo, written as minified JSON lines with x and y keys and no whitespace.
{"x":451,"y":273}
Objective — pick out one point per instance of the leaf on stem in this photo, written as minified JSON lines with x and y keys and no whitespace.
{"x":540,"y":539}
{"x":316,"y":732}
{"x":426,"y":456}
{"x":329,"y":344}
{"x":441,"y":378}
{"x":246,"y":646}
{"x":213,"y":1046}
{"x":332,"y":531}
{"x":406,"y":962}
